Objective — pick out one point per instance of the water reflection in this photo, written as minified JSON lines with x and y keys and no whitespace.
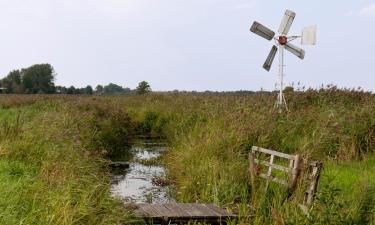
{"x":135,"y":184}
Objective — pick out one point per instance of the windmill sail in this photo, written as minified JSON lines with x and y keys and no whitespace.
{"x":309,"y":35}
{"x":262,"y":31}
{"x":271,"y":56}
{"x":286,"y":22}
{"x":300,"y":53}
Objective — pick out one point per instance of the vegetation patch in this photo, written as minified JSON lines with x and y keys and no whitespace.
{"x":50,"y":170}
{"x":210,"y":137}
{"x":53,"y":149}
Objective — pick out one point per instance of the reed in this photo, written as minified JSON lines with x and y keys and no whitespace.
{"x":50,"y":170}
{"x":53,"y":151}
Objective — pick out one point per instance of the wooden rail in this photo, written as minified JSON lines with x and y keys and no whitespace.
{"x":292,"y":172}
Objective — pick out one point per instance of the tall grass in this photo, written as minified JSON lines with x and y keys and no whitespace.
{"x":55,"y":159}
{"x":51,"y":170}
{"x":212,"y":135}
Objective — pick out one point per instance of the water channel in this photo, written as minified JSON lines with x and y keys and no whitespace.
{"x":142,"y":182}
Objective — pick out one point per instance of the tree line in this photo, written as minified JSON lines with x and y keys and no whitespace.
{"x":39,"y":79}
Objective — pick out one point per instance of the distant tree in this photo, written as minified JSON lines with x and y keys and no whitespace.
{"x":79,"y":91}
{"x":71,"y":90}
{"x":143,"y":88}
{"x":12,"y":83}
{"x":127,"y":90}
{"x":112,"y":88}
{"x":38,"y":78}
{"x":88,"y":90}
{"x":99,"y":89}
{"x":61,"y":90}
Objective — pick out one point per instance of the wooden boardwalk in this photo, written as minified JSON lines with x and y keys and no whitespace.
{"x":182,"y":213}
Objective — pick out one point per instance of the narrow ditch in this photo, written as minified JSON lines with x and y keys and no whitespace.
{"x":138,"y":175}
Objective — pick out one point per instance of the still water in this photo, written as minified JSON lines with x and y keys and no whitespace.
{"x":137,"y":183}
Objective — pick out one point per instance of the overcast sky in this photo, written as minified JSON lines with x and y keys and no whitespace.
{"x":186,"y":44}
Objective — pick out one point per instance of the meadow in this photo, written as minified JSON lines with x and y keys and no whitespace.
{"x":54,"y":151}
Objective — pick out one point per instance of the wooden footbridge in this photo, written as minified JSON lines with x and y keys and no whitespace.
{"x":176,"y":213}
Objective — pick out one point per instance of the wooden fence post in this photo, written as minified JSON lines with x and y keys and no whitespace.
{"x":314,"y":180}
{"x":252,"y":169}
{"x":295,"y":173}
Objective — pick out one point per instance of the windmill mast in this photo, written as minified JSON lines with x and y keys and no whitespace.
{"x":281,"y":103}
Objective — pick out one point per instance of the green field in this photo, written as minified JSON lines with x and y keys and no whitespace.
{"x":53,"y":150}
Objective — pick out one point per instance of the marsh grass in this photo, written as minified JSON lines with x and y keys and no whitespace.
{"x":50,"y":170}
{"x":54,"y":165}
{"x":210,"y":137}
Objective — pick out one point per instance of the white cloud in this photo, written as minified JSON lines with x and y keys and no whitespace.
{"x":368,"y":10}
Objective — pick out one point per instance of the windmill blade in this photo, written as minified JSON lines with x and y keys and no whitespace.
{"x":286,"y":22}
{"x":309,"y":35}
{"x":268,"y":63}
{"x":299,"y":52}
{"x":262,"y":31}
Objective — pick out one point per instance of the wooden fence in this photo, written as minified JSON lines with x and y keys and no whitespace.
{"x":291,"y":166}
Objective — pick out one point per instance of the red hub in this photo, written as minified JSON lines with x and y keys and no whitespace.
{"x":283,"y":40}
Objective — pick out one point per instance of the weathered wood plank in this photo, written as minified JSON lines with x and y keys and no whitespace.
{"x":272,"y":152}
{"x":149,"y":210}
{"x":164,"y":211}
{"x":314,"y":179}
{"x":202,"y":210}
{"x":175,"y":209}
{"x":213,"y":212}
{"x":182,"y":212}
{"x":295,"y":172}
{"x":219,"y":211}
{"x":274,"y":166}
{"x":194,"y":209}
{"x":252,"y":169}
{"x":269,"y":173}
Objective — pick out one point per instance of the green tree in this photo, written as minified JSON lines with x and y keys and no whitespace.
{"x":71,"y":90}
{"x":12,"y":83}
{"x":112,"y":88}
{"x":61,"y":89}
{"x":143,"y":88}
{"x":38,"y":78}
{"x":88,"y":90}
{"x":99,"y":89}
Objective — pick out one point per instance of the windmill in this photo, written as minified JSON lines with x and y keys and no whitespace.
{"x":282,"y":41}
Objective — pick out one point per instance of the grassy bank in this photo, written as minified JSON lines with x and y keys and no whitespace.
{"x":52,"y":169}
{"x":53,"y":150}
{"x":212,"y":135}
